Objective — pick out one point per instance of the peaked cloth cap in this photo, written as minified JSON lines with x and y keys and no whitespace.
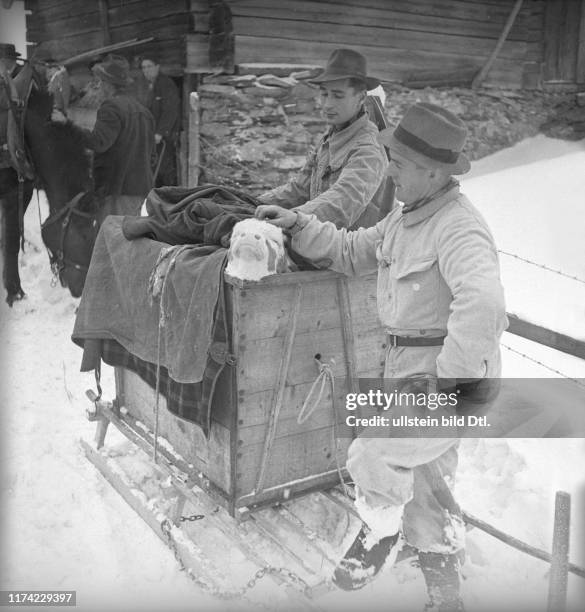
{"x":114,"y":69}
{"x":430,"y":136}
{"x":8,"y":51}
{"x":345,"y":64}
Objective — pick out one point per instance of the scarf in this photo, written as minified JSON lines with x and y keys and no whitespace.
{"x":437,"y":194}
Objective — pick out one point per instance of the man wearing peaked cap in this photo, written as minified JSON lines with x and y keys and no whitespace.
{"x":441,"y":300}
{"x":342,"y":178}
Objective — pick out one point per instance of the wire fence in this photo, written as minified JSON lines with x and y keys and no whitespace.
{"x":543,"y":266}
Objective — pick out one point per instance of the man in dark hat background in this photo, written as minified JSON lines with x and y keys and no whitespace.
{"x":9,"y":196}
{"x":440,"y":297}
{"x":123,"y":140}
{"x":342,"y":177}
{"x":161,"y":97}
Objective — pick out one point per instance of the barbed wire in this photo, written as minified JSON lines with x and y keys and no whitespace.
{"x":576,"y":381}
{"x":543,"y":266}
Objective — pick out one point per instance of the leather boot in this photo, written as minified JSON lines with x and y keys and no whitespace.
{"x":363,"y":561}
{"x":441,"y":572}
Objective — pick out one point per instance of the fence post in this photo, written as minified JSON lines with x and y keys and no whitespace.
{"x":559,"y":567}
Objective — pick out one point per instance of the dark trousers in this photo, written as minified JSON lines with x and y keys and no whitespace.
{"x":11,"y":229}
{"x":167,"y":172}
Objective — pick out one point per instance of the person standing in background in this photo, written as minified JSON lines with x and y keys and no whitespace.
{"x":161,"y":97}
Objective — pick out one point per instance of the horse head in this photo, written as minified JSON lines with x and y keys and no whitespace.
{"x":70,"y":234}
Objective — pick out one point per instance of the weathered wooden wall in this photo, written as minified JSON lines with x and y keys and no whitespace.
{"x":564,"y":43}
{"x":64,"y":28}
{"x":404,"y":40}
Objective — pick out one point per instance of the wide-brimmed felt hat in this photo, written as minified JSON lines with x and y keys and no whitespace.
{"x":346,"y":64}
{"x":8,"y":51}
{"x":430,"y":136}
{"x":114,"y":69}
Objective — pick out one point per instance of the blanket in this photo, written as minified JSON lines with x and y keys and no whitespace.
{"x":183,"y":215}
{"x":152,"y":305}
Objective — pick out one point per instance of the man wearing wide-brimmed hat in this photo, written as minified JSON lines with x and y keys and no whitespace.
{"x":123,"y":140}
{"x":440,"y":297}
{"x":341,"y":179}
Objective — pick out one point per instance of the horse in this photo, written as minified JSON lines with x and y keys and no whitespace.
{"x":62,"y":169}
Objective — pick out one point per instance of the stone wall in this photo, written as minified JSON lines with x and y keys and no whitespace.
{"x":256,"y":127}
{"x":255,"y":130}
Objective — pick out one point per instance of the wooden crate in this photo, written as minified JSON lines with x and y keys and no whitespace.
{"x":278,"y":327}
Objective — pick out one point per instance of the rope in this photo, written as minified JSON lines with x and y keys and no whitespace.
{"x":325,"y":375}
{"x":543,"y":266}
{"x":161,"y":323}
{"x":577,"y":382}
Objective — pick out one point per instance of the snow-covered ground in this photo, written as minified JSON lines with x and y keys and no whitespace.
{"x":63,"y":526}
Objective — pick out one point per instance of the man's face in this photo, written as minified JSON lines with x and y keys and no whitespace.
{"x":412,"y":181}
{"x":149,"y":70}
{"x":340,"y":102}
{"x":7,"y":65}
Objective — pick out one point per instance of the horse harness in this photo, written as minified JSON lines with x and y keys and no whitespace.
{"x":62,"y":220}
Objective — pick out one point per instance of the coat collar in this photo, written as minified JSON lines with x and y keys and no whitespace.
{"x":428,"y":210}
{"x":338,"y":141}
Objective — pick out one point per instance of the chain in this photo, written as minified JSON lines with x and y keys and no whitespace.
{"x":577,"y":382}
{"x":192,"y":517}
{"x":210,"y":589}
{"x":542,"y":266}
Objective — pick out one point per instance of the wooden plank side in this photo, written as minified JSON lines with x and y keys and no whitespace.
{"x":254,"y":408}
{"x":388,"y":64}
{"x":331,"y":14}
{"x":291,"y":458}
{"x":46,"y":26}
{"x":465,"y":10}
{"x":257,"y":358}
{"x":266,"y":309}
{"x":376,"y":37}
{"x":69,"y":46}
{"x":211,"y":456}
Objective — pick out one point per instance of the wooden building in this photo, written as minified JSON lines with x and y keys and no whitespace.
{"x":539,"y":43}
{"x":404,"y":40}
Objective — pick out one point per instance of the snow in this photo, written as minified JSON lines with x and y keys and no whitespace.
{"x":64,"y":527}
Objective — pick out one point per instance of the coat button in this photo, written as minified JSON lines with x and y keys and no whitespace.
{"x":416,"y":286}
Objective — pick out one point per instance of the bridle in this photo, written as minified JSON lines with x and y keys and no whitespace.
{"x":58,"y":257}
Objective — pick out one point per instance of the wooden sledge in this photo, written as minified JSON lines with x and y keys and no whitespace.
{"x":274,"y":455}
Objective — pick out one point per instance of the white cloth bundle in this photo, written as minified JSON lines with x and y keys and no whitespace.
{"x":257,"y":250}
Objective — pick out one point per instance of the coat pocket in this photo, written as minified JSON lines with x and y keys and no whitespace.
{"x":413,"y":266}
{"x":415,"y":289}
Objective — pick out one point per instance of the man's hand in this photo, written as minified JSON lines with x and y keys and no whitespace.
{"x":58,"y":117}
{"x":281,"y":217}
{"x":157,"y":138}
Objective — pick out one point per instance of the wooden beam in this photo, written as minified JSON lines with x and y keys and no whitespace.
{"x":559,"y":567}
{"x":480,"y":77}
{"x":545,"y":336}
